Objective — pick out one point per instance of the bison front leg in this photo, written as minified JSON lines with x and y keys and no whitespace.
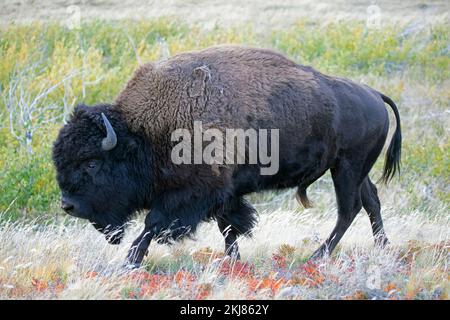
{"x":139,"y":248}
{"x":231,"y":245}
{"x":164,"y":227}
{"x":238,"y":219}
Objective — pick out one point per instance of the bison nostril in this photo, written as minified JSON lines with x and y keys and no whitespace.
{"x":66,"y":206}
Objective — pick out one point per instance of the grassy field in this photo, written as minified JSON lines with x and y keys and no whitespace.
{"x":46,"y":68}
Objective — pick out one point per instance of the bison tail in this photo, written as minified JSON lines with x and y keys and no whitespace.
{"x":393,"y":155}
{"x":302,"y":198}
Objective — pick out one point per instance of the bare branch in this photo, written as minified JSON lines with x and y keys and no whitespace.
{"x":138,"y":58}
{"x":26,"y":110}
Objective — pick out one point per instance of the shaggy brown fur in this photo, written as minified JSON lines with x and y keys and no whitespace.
{"x":224,"y":87}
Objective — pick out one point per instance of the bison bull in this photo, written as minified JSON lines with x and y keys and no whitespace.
{"x":114,"y":159}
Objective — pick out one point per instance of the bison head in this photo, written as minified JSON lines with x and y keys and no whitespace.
{"x":102,"y":169}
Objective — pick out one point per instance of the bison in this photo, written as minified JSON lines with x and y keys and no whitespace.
{"x":113,"y":160}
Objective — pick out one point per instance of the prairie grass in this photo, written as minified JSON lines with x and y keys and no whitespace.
{"x":70,"y":260}
{"x":46,"y":255}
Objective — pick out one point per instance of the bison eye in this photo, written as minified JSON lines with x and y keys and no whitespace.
{"x":92,"y":166}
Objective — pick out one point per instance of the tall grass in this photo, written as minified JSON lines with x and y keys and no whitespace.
{"x":71,"y":260}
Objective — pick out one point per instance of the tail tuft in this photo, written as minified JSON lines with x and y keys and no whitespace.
{"x":393,"y":154}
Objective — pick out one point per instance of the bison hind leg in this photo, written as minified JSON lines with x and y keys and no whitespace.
{"x":302,"y":198}
{"x":371,"y":204}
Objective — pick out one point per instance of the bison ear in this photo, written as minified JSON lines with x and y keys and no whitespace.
{"x":79,"y":111}
{"x":80,"y":108}
{"x":199,"y":78}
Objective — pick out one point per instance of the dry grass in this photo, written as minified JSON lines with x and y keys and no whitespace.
{"x":70,"y":260}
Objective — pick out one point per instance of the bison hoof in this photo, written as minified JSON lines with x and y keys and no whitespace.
{"x":131,"y":265}
{"x":234,"y":255}
{"x":382,"y":242}
{"x":319,"y":254}
{"x":114,"y":239}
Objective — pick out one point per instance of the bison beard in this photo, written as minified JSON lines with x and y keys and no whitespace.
{"x":114,"y":160}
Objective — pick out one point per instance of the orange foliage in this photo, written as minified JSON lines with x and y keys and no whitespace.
{"x":204,"y":290}
{"x":235,"y":269}
{"x":184,"y":278}
{"x":206,"y":255}
{"x":91,"y":274}
{"x":309,"y":274}
{"x":358,"y":295}
{"x":390,"y":287}
{"x":153,"y":283}
{"x":266,"y":283}
{"x":39,"y":285}
{"x":313,"y":274}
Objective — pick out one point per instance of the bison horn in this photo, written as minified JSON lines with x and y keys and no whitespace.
{"x":110,"y":141}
